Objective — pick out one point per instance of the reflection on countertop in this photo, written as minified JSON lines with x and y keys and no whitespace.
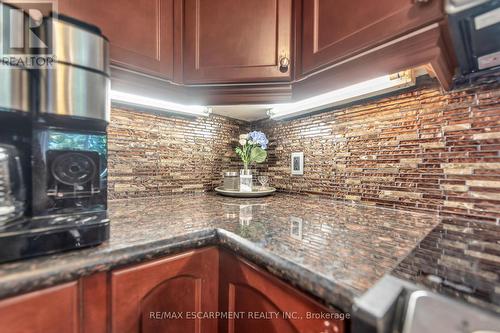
{"x":330,"y":249}
{"x":459,"y":258}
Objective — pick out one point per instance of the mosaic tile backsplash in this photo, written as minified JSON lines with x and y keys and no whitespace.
{"x":152,"y":155}
{"x":421,"y":150}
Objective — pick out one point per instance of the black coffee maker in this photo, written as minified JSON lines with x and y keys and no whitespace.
{"x":55,"y":146}
{"x":15,"y":143}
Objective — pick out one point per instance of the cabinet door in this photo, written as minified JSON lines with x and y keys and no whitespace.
{"x":246,"y":290}
{"x":336,"y":29}
{"x":140,"y":31}
{"x":94,"y":303}
{"x":163,"y":296}
{"x":236,"y":40}
{"x":52,"y":310}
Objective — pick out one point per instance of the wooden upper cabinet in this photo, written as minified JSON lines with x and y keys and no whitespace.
{"x":336,"y":29}
{"x":246,"y":41}
{"x":228,"y":41}
{"x":141,"y":32}
{"x":52,"y":310}
{"x":246,"y":289}
{"x":148,"y":297}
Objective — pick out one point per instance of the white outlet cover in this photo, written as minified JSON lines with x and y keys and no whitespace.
{"x":297,"y":163}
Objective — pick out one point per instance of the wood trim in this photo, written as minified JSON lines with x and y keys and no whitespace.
{"x":445,"y":62}
{"x":272,"y":278}
{"x":137,"y":83}
{"x":297,"y":39}
{"x":94,"y":303}
{"x":442,"y":69}
{"x":52,"y":310}
{"x":138,"y":287}
{"x":315,"y":26}
{"x":281,"y":33}
{"x":268,"y":291}
{"x":178,"y":40}
{"x":418,"y":48}
{"x":159,"y":29}
{"x":112,"y":301}
{"x":408,"y":53}
{"x":196,"y":73}
{"x":231,"y":306}
{"x":260,"y":94}
{"x":147,"y":48}
{"x":141,"y":84}
{"x":410,"y":16}
{"x":164,"y":66}
{"x":197,"y":35}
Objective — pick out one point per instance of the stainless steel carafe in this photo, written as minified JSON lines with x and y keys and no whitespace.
{"x":12,"y":190}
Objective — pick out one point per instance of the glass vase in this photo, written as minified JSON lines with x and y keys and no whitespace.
{"x":246,"y":180}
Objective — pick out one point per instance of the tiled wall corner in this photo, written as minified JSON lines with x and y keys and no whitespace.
{"x":422,"y":150}
{"x":151,"y":155}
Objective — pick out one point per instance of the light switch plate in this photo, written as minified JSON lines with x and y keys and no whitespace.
{"x":297,"y":163}
{"x":296,"y":227}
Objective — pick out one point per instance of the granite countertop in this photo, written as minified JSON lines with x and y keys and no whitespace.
{"x":333,"y":250}
{"x":459,"y":258}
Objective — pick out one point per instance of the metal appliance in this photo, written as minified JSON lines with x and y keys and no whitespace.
{"x":475,"y":27}
{"x":12,"y":190}
{"x":397,"y":306}
{"x":53,"y":146}
{"x":69,"y":137}
{"x":15,"y":142}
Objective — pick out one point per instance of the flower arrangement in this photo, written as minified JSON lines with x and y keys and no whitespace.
{"x":253,"y":148}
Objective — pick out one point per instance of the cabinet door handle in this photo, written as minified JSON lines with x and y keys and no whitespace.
{"x":284,"y":64}
{"x":421,"y":2}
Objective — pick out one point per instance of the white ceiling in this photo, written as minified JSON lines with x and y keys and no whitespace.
{"x":242,"y":112}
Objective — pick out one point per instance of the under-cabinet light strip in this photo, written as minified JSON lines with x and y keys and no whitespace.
{"x":158,"y":104}
{"x":365,"y":89}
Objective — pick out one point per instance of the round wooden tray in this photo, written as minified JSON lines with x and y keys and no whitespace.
{"x":257,"y":192}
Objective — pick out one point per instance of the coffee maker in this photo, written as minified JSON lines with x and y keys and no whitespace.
{"x":54,"y":146}
{"x":15,"y":143}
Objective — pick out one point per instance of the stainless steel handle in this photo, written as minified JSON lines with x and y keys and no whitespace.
{"x":421,"y":2}
{"x":284,"y":63}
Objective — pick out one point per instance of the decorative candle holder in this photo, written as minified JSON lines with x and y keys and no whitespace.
{"x":246,"y":180}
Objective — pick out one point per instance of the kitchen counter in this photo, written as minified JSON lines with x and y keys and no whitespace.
{"x":334,"y":251}
{"x":459,"y":258}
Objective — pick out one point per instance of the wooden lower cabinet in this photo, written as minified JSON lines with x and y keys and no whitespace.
{"x":165,"y":295}
{"x":94,"y":303}
{"x":265,"y":303}
{"x":170,"y":295}
{"x":53,"y":310}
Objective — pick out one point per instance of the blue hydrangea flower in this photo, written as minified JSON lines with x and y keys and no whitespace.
{"x":259,"y":138}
